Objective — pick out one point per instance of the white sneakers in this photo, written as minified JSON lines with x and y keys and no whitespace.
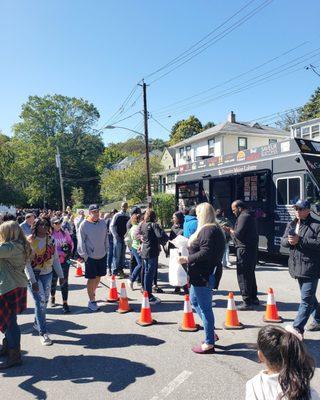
{"x":294,"y":331}
{"x":92,"y":305}
{"x":45,"y":340}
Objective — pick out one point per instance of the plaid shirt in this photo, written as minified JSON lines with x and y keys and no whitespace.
{"x":14,"y":301}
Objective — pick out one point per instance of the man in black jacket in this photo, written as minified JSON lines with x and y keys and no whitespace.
{"x":245,"y":237}
{"x":302,"y":237}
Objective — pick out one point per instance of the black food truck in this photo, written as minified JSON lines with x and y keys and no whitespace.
{"x":270,"y":179}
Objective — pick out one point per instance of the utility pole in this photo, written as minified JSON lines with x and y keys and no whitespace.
{"x":146,"y":138}
{"x":58,"y":164}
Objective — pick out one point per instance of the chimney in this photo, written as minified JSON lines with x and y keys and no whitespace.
{"x":232,"y":117}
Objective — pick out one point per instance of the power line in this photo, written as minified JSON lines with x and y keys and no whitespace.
{"x":179,"y":57}
{"x":234,"y":77}
{"x":217,"y":38}
{"x":159,"y":123}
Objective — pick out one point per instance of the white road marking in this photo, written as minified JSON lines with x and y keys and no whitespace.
{"x":172,"y":385}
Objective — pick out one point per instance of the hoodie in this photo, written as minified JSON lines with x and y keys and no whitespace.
{"x":92,"y":239}
{"x":190,"y":225}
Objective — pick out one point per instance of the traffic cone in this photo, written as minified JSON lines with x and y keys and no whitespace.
{"x":232,"y":321}
{"x":113,"y":294}
{"x":79,"y":271}
{"x":123,"y":302}
{"x":145,"y":315}
{"x":188,"y":324}
{"x":271,"y":314}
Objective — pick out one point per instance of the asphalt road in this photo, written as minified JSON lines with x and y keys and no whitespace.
{"x":106,"y":355}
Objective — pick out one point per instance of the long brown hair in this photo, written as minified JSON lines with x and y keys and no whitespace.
{"x":287,"y":354}
{"x":10,"y":231}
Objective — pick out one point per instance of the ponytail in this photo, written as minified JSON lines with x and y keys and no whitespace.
{"x":287,"y":354}
{"x":297,"y":369}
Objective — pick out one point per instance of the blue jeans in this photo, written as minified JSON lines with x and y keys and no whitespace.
{"x":201,"y":300}
{"x":119,"y":253}
{"x":137,"y":270}
{"x":13,"y":333}
{"x":309,"y":304}
{"x":150,"y":268}
{"x":110,"y":251}
{"x":41,"y":300}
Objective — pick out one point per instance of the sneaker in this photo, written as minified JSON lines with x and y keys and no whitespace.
{"x":177,"y":290}
{"x":53,"y":302}
{"x":92,"y":305}
{"x":66,"y":309}
{"x":154,"y":300}
{"x":130,"y":283}
{"x":313,"y":326}
{"x":45,"y":340}
{"x":156,"y":289}
{"x":294,"y":331}
{"x":245,"y":307}
{"x":109,"y":272}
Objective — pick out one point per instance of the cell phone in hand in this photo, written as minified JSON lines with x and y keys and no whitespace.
{"x":292,"y":232}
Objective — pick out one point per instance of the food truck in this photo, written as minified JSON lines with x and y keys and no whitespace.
{"x":270,"y":179}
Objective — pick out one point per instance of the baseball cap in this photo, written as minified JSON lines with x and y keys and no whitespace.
{"x":94,"y":207}
{"x":304,"y":204}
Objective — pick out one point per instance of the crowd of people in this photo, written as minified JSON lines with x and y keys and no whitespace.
{"x":37,"y":248}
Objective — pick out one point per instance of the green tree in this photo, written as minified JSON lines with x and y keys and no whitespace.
{"x":112,"y":154}
{"x":157,"y":144}
{"x":209,"y":125}
{"x":129,"y":183}
{"x":77,"y":197}
{"x":312,"y":108}
{"x":288,"y":119}
{"x":164,"y":204}
{"x":47,"y":122}
{"x":184,"y":129}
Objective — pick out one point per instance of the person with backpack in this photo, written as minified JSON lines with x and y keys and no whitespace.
{"x":152,"y":236}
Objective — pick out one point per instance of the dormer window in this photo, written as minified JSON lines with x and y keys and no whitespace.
{"x":211,"y":146}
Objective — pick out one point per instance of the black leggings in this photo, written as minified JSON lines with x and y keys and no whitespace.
{"x":65,"y":287}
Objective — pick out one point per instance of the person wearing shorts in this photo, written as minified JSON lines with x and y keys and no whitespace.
{"x":92,"y":247}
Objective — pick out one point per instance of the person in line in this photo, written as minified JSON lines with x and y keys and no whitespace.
{"x":14,"y":254}
{"x":78,"y":219}
{"x":245,"y":237}
{"x":190,"y":223}
{"x":44,"y":259}
{"x":223,"y":221}
{"x":176,"y":230}
{"x":93,"y":247}
{"x":64,"y":245}
{"x":206,"y":248}
{"x":152,"y":236}
{"x":118,"y":228}
{"x":108,"y":219}
{"x":289,"y":368}
{"x":133,"y":263}
{"x":134,"y":246}
{"x":26,"y":226}
{"x":302,"y":237}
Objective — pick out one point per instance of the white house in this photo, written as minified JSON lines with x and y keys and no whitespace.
{"x":167,"y":176}
{"x":228,"y":137}
{"x":307,"y":130}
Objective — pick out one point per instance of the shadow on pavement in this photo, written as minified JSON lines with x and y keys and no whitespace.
{"x":119,"y":372}
{"x":246,"y":350}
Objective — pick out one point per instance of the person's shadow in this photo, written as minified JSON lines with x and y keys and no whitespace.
{"x":79,"y":369}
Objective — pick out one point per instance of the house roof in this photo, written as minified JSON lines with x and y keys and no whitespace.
{"x":234,"y":128}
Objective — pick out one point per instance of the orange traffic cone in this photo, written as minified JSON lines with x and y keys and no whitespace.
{"x":271,"y":314}
{"x":113,"y":294}
{"x":188,"y":324}
{"x":145,"y":315}
{"x":232,"y":321}
{"x":79,"y":272}
{"x":123,"y":302}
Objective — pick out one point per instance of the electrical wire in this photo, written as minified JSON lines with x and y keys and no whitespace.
{"x":159,"y":123}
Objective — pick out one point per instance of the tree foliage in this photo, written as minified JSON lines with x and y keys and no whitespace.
{"x":129,"y":183}
{"x":164,"y":205}
{"x":312,"y":108}
{"x":208,"y":125}
{"x":184,"y":129}
{"x":47,"y":122}
{"x":77,"y":197}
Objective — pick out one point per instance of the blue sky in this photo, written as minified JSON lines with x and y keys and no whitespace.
{"x":100,"y":49}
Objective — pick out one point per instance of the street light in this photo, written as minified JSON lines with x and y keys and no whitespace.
{"x":147,"y":157}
